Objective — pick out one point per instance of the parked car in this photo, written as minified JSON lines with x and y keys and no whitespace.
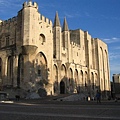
{"x":4,"y":96}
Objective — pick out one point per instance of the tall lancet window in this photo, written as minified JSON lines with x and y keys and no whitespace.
{"x":20,"y":70}
{"x":10,"y":70}
{"x":63,"y":41}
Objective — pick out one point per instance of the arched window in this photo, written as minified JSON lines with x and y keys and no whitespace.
{"x":41,"y":66}
{"x":42,"y":38}
{"x":63,"y":71}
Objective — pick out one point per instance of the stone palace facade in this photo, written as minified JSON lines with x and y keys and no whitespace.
{"x":38,"y":54}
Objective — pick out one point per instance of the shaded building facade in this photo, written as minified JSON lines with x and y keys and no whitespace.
{"x":116,"y":85}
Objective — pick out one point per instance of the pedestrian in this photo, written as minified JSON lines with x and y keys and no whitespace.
{"x":17,"y":97}
{"x":116,"y":99}
{"x":98,"y":96}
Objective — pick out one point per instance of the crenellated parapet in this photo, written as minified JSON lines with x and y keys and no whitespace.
{"x":30,"y":4}
{"x":44,"y":19}
{"x":4,"y":23}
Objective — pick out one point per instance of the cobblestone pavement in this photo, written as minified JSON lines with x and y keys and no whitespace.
{"x":59,"y":110}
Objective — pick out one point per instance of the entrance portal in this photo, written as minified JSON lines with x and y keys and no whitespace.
{"x":62,"y":87}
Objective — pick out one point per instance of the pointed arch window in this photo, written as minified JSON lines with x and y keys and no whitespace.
{"x":20,"y":69}
{"x":7,"y":38}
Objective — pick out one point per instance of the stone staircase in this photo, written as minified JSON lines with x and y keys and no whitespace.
{"x":73,"y":97}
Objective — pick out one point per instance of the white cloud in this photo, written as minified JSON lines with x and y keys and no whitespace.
{"x":69,"y":15}
{"x":111,"y":40}
{"x":114,"y":56}
{"x":3,"y":3}
{"x":9,"y":8}
{"x":114,"y":38}
{"x":115,"y":68}
{"x":9,"y":4}
{"x":110,"y":18}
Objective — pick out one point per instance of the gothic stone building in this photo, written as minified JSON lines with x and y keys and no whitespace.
{"x":35,"y":54}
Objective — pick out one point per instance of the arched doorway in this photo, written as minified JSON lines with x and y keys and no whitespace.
{"x":63,"y":79}
{"x":76,"y":80}
{"x":71,"y":80}
{"x":62,"y":87}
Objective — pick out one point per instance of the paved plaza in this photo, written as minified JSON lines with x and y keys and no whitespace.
{"x":60,"y":110}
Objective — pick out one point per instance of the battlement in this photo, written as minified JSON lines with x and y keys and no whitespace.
{"x":44,"y":19}
{"x":14,"y":19}
{"x":95,"y":38}
{"x":30,"y":4}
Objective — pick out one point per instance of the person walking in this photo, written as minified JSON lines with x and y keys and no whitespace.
{"x":98,"y":96}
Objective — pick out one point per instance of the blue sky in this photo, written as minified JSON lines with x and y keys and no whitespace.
{"x":101,"y":18}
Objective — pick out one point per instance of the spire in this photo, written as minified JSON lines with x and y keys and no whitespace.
{"x":56,"y":20}
{"x":65,"y":25}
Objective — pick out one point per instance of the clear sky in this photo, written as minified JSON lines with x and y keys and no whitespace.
{"x":101,"y":18}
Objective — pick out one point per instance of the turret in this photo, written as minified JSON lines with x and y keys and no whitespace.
{"x":30,"y":4}
{"x":29,"y":25}
{"x":56,"y":21}
{"x":66,"y":38}
{"x":57,"y":38}
{"x":65,"y":25}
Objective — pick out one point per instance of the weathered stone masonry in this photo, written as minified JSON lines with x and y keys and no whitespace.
{"x":34,"y":54}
